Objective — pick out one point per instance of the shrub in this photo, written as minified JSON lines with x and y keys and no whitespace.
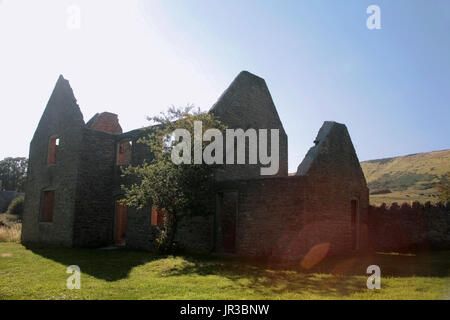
{"x":11,"y":234}
{"x":16,"y":206}
{"x":8,"y":219}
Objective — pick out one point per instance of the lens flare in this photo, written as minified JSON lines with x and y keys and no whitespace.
{"x":315,"y":255}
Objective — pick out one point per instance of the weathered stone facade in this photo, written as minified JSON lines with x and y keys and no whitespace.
{"x":410,"y":228}
{"x":62,"y":117}
{"x":252,"y":215}
{"x":285,"y":217}
{"x":247,"y":103}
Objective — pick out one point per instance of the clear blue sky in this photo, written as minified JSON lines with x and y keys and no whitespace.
{"x":391,"y":87}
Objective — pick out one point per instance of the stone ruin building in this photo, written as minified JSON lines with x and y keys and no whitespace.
{"x":74,"y":186}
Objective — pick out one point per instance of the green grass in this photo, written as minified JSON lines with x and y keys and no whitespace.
{"x":410,"y":178}
{"x":40,"y":273}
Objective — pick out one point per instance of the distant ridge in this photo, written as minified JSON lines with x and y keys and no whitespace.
{"x":406,"y":155}
{"x":406,"y":178}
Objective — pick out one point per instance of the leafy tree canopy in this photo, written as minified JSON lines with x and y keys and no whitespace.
{"x":177,"y":189}
{"x":13,"y":174}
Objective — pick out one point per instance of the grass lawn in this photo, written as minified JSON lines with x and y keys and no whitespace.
{"x":40,"y":273}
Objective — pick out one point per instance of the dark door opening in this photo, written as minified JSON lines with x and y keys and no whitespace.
{"x":228,"y":207}
{"x":120,"y":224}
{"x":354,"y":224}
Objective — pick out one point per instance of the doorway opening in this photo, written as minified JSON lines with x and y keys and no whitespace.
{"x":227,"y":210}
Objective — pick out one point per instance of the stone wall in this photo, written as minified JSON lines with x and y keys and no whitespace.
{"x":247,"y":104}
{"x":284,"y":218}
{"x":62,"y":117}
{"x":106,"y":121}
{"x":194,"y":232}
{"x":409,"y":227}
{"x":94,"y":208}
{"x":140,"y":233}
{"x":278,"y":217}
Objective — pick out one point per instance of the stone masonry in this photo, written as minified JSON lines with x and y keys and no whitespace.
{"x":279,"y":217}
{"x":408,"y":228}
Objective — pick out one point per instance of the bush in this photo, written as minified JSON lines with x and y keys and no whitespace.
{"x":16,"y":206}
{"x":8,"y":219}
{"x":11,"y":234}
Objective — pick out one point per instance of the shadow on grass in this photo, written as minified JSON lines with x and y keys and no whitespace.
{"x":332,"y":276}
{"x":335,"y":276}
{"x":424,"y":264}
{"x":109,"y":265}
{"x":264,"y":279}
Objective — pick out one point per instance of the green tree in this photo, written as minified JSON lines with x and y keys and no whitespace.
{"x":444,"y":188}
{"x":176,"y":189}
{"x":13,"y":173}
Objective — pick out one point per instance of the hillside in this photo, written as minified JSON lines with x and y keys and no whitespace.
{"x":406,"y":178}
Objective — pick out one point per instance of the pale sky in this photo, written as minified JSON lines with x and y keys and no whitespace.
{"x":136,"y":58}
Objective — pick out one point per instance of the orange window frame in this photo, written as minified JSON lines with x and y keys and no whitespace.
{"x":48,"y":206}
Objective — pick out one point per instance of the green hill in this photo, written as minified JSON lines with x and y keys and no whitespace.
{"x":407,"y":178}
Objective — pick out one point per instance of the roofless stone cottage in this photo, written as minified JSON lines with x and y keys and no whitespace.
{"x":74,"y":186}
